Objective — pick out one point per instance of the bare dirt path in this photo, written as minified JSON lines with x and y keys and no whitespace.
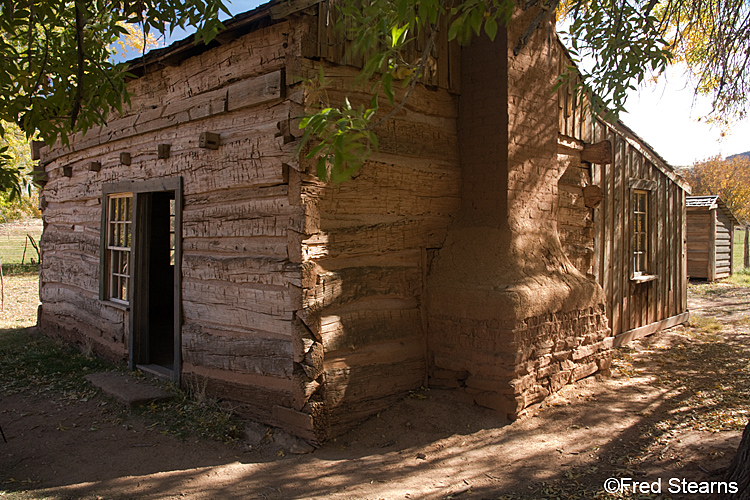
{"x":674,"y":408}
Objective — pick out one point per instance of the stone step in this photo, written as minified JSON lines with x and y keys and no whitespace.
{"x":127,"y":389}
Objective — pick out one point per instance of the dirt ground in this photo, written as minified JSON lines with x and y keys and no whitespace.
{"x":660,"y":416}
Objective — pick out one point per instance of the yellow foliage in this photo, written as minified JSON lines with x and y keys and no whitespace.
{"x":730,"y":179}
{"x":135,"y":39}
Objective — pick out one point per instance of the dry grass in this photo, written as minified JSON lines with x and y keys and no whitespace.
{"x":21,"y":300}
{"x":707,"y":325}
{"x":14,"y":241}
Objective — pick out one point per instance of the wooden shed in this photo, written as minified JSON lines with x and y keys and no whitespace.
{"x":190,"y":238}
{"x":710,"y":229}
{"x":622,"y":220}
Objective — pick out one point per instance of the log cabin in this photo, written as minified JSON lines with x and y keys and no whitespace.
{"x":191,"y":239}
{"x":710,"y":230}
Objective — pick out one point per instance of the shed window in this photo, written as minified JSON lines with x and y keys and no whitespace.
{"x":640,"y":232}
{"x":119,"y":241}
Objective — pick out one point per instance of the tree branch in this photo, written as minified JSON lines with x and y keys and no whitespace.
{"x":76,"y":108}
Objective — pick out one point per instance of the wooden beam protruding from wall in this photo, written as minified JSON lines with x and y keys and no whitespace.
{"x":36,"y":149}
{"x":67,"y":171}
{"x":209,"y":140}
{"x":592,"y":196}
{"x":40,"y":175}
{"x":599,"y":153}
{"x":125,"y":158}
{"x":95,"y":166}
{"x":163,"y":151}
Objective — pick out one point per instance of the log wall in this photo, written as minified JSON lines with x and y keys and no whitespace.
{"x":300,"y":301}
{"x":366,"y":264}
{"x":599,"y":240}
{"x":241,"y":271}
{"x":723,"y":245}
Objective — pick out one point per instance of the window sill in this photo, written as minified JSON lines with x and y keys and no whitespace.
{"x":644,"y":278}
{"x":116,"y":305}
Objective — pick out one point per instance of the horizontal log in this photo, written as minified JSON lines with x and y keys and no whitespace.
{"x":354,"y":329}
{"x":227,"y":312}
{"x":54,"y":321}
{"x":70,"y":269}
{"x":236,"y":352}
{"x":343,"y":286}
{"x":273,"y":247}
{"x":276,"y":302}
{"x":394,"y":190}
{"x":63,"y":238}
{"x":355,"y":391}
{"x":258,"y":393}
{"x":643,"y":331}
{"x":75,"y":216}
{"x":376,"y":238}
{"x":240,"y":270}
{"x":82,"y":309}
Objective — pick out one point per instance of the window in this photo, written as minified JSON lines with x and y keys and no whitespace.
{"x":119,"y":241}
{"x":640,"y":232}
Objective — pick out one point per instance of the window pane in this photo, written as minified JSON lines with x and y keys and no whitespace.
{"x":114,"y":257}
{"x":113,"y":286}
{"x":119,"y":240}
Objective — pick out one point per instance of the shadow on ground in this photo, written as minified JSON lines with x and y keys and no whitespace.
{"x":674,"y":408}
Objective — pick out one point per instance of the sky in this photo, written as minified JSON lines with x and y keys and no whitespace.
{"x":664,"y":114}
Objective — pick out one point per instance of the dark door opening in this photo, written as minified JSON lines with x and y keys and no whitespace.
{"x":155,"y":317}
{"x":161,"y":280}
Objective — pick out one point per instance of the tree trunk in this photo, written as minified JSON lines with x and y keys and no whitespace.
{"x":739,"y":469}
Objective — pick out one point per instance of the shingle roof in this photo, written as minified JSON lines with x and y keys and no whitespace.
{"x":701,"y":201}
{"x":711,"y":201}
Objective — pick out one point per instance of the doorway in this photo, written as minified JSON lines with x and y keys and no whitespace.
{"x":155,"y":296}
{"x":156,"y":324}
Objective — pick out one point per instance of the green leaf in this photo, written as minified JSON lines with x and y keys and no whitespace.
{"x":321,"y":169}
{"x":398,"y":35}
{"x":454,"y":28}
{"x":490,"y":27}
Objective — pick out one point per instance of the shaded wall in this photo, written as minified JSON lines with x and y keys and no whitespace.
{"x":510,"y":318}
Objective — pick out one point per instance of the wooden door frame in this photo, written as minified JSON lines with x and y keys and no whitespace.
{"x":139,"y":276}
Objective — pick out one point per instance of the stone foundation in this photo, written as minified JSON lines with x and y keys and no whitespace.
{"x":519,"y":368}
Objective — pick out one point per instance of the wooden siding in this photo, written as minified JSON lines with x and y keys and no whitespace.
{"x":599,"y":241}
{"x":709,"y":243}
